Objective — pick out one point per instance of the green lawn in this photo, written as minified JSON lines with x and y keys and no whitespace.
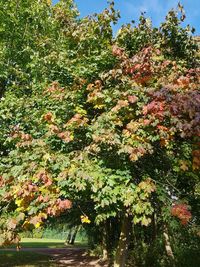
{"x":24,"y":259}
{"x":12,"y":258}
{"x":42,"y":243}
{"x":46,"y":243}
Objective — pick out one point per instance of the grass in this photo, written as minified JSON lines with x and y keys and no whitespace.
{"x":42,"y":243}
{"x":46,"y":243}
{"x":24,"y":259}
{"x":12,"y":258}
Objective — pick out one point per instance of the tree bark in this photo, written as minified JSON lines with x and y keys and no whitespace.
{"x":123,"y":244}
{"x":73,"y":237}
{"x":104,"y":247}
{"x":106,"y":240}
{"x":168,"y":247}
{"x":69,"y":236}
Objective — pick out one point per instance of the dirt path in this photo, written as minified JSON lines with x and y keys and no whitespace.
{"x":69,"y":257}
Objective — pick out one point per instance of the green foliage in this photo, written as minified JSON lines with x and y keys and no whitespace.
{"x":97,"y":127}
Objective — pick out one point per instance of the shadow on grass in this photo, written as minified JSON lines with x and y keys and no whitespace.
{"x":48,"y":257}
{"x":47,"y":252}
{"x":21,"y":258}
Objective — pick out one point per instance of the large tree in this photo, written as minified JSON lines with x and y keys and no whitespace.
{"x":106,"y":126}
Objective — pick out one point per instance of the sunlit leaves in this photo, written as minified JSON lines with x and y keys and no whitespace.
{"x":87,"y":118}
{"x":85,"y":219}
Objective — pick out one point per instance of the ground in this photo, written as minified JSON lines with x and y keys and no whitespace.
{"x":45,"y":252}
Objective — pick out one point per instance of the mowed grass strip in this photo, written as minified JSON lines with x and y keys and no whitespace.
{"x":49,"y":243}
{"x":45,"y":243}
{"x":39,"y":243}
{"x":42,"y":243}
{"x":25,"y":259}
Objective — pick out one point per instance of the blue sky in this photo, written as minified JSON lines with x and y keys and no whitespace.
{"x":155,"y":9}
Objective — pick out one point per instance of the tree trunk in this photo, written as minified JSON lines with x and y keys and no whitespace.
{"x":73,"y":237}
{"x":104,"y":246}
{"x":168,"y":247}
{"x":105,"y":240}
{"x":151,"y":258}
{"x":123,"y":244}
{"x":154,"y":228}
{"x":69,"y":236}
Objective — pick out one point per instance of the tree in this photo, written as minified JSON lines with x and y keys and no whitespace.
{"x":110,"y":125}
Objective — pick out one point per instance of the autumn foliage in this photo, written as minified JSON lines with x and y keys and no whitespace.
{"x":108,"y":127}
{"x":181,"y":212}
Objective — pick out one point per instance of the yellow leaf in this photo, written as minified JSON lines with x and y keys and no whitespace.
{"x":18,"y":202}
{"x":43,"y":215}
{"x":81,"y":111}
{"x":183,"y":165}
{"x":20,"y":209}
{"x":85,"y":219}
{"x":46,"y":157}
{"x":49,"y":2}
{"x":25,"y":224}
{"x":99,"y":106}
{"x":71,"y":136}
{"x":37,"y":225}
